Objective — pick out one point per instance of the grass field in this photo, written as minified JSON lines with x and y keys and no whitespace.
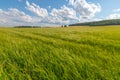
{"x":75,"y":53}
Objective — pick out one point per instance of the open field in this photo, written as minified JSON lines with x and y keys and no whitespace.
{"x":75,"y":53}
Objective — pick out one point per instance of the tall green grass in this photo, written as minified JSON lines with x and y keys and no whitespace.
{"x":75,"y":53}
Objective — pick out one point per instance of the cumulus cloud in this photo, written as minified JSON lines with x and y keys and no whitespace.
{"x":15,"y":17}
{"x":71,"y":2}
{"x":64,"y":15}
{"x":114,"y":16}
{"x":64,"y":12}
{"x":79,"y":10}
{"x":36,"y":9}
{"x":85,"y":10}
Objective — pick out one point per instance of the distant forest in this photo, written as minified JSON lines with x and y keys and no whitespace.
{"x":99,"y":23}
{"x":27,"y":26}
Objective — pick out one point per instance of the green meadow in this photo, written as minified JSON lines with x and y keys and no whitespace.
{"x":73,"y":53}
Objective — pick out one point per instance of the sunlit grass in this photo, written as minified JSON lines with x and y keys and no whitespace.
{"x":73,"y":53}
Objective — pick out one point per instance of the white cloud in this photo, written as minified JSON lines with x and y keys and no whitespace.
{"x":114,"y":16}
{"x":19,"y":0}
{"x":71,"y":2}
{"x":19,"y":15}
{"x":64,"y":15}
{"x":65,"y":12}
{"x":49,"y":7}
{"x":79,"y":10}
{"x":15,"y":17}
{"x":85,"y":10}
{"x":116,"y":10}
{"x":36,"y":9}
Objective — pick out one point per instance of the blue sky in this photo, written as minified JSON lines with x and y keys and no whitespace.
{"x":56,"y":12}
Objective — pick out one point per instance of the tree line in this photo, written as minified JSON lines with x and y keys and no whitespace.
{"x":99,"y":23}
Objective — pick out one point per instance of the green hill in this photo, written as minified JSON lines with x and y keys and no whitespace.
{"x":99,"y":23}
